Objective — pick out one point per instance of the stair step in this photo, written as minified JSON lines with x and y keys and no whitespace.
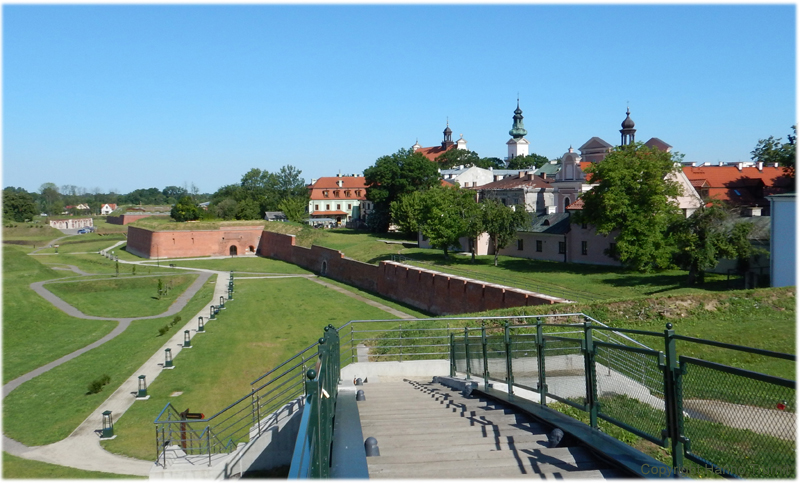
{"x":398,"y":447}
{"x":572,"y":456}
{"x":444,"y":433}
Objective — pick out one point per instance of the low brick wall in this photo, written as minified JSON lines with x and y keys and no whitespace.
{"x":427,"y":290}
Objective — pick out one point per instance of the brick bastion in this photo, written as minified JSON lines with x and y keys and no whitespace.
{"x":227,"y":240}
{"x":428,"y":290}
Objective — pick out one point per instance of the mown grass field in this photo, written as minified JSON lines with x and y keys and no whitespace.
{"x":15,"y":468}
{"x":133,"y":296}
{"x":267,"y":322}
{"x":29,"y":236}
{"x":61,"y":393}
{"x":242,"y":266}
{"x":88,"y":243}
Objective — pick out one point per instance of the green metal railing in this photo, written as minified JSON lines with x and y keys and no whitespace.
{"x":725,"y":420}
{"x":312,"y":451}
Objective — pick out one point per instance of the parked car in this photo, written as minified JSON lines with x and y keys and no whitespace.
{"x":83,"y":231}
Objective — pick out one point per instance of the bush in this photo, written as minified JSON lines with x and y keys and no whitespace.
{"x":175,"y":320}
{"x":97,"y":385}
{"x":163,"y":330}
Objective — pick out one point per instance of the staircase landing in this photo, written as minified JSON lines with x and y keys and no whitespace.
{"x":428,"y":430}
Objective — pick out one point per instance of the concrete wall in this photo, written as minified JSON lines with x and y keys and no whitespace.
{"x":72,"y":223}
{"x":427,"y":290}
{"x":200,"y":243}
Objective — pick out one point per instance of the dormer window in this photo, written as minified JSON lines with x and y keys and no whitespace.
{"x":347,"y":193}
{"x":336,"y":193}
{"x":358,"y":193}
{"x":325,"y":193}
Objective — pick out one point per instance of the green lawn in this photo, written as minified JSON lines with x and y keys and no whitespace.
{"x":61,"y":393}
{"x":242,"y":266}
{"x":34,"y":332}
{"x":123,"y":296}
{"x":90,"y":242}
{"x":20,"y":468}
{"x":29,"y":235}
{"x":267,"y":322}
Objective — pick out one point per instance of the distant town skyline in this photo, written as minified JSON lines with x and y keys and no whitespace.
{"x":122,"y":97}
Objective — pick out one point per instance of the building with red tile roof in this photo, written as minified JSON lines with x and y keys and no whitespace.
{"x":447,"y":145}
{"x":739,"y":185}
{"x":338,"y":198}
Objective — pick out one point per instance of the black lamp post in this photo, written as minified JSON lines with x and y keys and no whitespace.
{"x":108,"y":426}
{"x":142,"y":394}
{"x":187,"y":340}
{"x":222,"y":301}
{"x":200,"y":327}
{"x":211,"y":316}
{"x":168,"y":359}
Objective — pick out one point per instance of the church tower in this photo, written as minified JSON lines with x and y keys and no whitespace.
{"x":448,"y":136}
{"x":517,"y":145}
{"x":627,"y":130}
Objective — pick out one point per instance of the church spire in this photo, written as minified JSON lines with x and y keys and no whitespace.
{"x":627,"y":131}
{"x":518,"y":128}
{"x":448,"y":136}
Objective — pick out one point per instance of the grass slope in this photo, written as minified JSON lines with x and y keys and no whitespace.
{"x":61,"y":393}
{"x":20,"y":468}
{"x":267,"y":322}
{"x":122,"y":297}
{"x":34,"y":332}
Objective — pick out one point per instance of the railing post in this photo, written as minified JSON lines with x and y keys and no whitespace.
{"x":485,"y":353}
{"x":208,"y":444}
{"x":672,"y":399}
{"x":509,"y":360}
{"x":452,"y":354}
{"x":401,"y":342}
{"x":164,"y":446}
{"x":540,"y":361}
{"x":258,"y":413}
{"x":466,"y":348}
{"x":352,"y":345}
{"x":589,"y":369}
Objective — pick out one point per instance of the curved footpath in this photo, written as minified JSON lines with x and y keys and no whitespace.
{"x":82,"y":449}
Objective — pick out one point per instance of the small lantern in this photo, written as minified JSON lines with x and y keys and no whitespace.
{"x":108,"y":426}
{"x":187,"y":340}
{"x":222,"y":301}
{"x":230,"y":294}
{"x":216,"y":309}
{"x":211,"y":317}
{"x":168,"y":359}
{"x":200,"y":327}
{"x":142,"y":394}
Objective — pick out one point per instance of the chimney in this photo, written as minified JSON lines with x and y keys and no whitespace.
{"x":720,"y":163}
{"x":694,"y":165}
{"x":760,"y":165}
{"x":313,"y":180}
{"x":522,"y":174}
{"x":776,"y":165}
{"x":531,"y":176}
{"x":739,"y":165}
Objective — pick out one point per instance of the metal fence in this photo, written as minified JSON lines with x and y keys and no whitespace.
{"x":714,"y":418}
{"x":731,"y":421}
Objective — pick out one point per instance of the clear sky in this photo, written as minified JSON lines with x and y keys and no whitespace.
{"x":124,"y":97}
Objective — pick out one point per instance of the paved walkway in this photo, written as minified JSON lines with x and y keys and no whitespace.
{"x":82,"y":449}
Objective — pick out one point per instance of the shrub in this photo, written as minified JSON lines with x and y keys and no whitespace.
{"x":97,"y":385}
{"x":163,"y":330}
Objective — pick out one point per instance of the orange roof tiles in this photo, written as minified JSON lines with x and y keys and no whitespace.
{"x":747,"y":186}
{"x":434,"y":152}
{"x":353,"y":188}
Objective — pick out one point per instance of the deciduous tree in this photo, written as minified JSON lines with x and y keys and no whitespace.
{"x":530,"y":161}
{"x":445,"y":215}
{"x":185,"y":210}
{"x":771,"y":150}
{"x":634,"y":197}
{"x":502,"y":222}
{"x":294,"y":207}
{"x":18,"y":205}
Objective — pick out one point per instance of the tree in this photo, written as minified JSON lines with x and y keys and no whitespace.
{"x":392,"y":176}
{"x":444,"y":216}
{"x":226,"y":209}
{"x":494,"y":163}
{"x":185,"y":209}
{"x":173,"y":193}
{"x":771,"y":150}
{"x":294,"y":207}
{"x":49,"y":196}
{"x":18,"y":205}
{"x":288,"y":183}
{"x":706,"y":237}
{"x":406,"y":212}
{"x":502,"y":222}
{"x":530,"y":161}
{"x":634,"y":197}
{"x":457,"y":157}
{"x":248,"y":210}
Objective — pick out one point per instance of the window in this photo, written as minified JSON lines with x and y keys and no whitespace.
{"x":338,"y":206}
{"x":538,"y":245}
{"x":562,"y":247}
{"x":519,"y":244}
{"x":316,"y":207}
{"x":347,"y":193}
{"x":612,"y":250}
{"x":566,"y":203}
{"x":349,"y":206}
{"x":584,"y":248}
{"x":336,"y":193}
{"x":584,"y":226}
{"x":325,"y":193}
{"x":327,"y":207}
{"x":358,"y":192}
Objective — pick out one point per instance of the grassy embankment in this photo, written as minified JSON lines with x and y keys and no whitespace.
{"x":268,"y":321}
{"x":20,"y":468}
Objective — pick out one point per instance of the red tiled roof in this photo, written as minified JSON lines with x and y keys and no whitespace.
{"x":576,"y":205}
{"x":512,"y":182}
{"x":329,"y":184}
{"x":747,"y":186}
{"x":434,"y":152}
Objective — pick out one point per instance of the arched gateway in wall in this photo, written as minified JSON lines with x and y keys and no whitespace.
{"x":234,"y":251}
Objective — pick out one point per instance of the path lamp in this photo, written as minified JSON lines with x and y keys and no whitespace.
{"x":108,"y":426}
{"x":211,"y":316}
{"x":230,"y":294}
{"x":142,"y":394}
{"x":216,"y":309}
{"x":222,"y":301}
{"x":168,"y":359}
{"x":187,"y":340}
{"x":200,"y":327}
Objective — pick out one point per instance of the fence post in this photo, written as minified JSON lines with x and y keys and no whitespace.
{"x":466,"y":348}
{"x":452,"y":354}
{"x":401,"y":342}
{"x":673,"y":403}
{"x":485,"y":353}
{"x":352,"y":346}
{"x":591,"y":375}
{"x":540,"y":361}
{"x":509,"y":361}
{"x":208,"y":444}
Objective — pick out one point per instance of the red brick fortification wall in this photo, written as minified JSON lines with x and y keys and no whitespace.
{"x":193,"y":243}
{"x":424,"y":289}
{"x":125,"y":219}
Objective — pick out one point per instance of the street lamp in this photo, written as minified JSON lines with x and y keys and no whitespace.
{"x":187,"y":340}
{"x":230,"y":294}
{"x":142,"y":394}
{"x":168,"y":359}
{"x":211,"y":317}
{"x":222,"y":301}
{"x":200,"y":327}
{"x":108,"y":426}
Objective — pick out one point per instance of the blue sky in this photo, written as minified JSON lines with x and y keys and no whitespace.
{"x":124,"y":97}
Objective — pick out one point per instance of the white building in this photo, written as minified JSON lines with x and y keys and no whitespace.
{"x":783,"y":240}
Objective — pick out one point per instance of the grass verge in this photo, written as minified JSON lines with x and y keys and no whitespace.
{"x":20,"y":468}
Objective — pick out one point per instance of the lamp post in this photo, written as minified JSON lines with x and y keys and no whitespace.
{"x":201,"y":329}
{"x":211,"y":316}
{"x":108,"y":426}
{"x":187,"y":340}
{"x":230,"y":294}
{"x":216,"y":309}
{"x":168,"y":359}
{"x":222,"y":301}
{"x":142,"y":394}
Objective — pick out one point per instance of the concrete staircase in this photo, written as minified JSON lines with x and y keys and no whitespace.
{"x":427,"y":430}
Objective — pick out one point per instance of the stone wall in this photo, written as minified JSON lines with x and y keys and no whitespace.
{"x":193,"y":243}
{"x":427,"y":290}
